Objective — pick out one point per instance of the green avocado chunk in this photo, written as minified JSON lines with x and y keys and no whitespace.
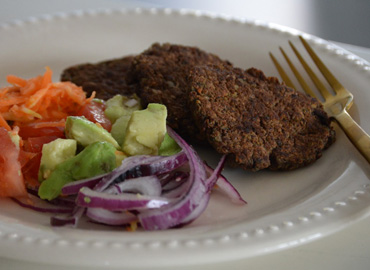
{"x":145,"y":130}
{"x":86,"y":132}
{"x":168,"y":147}
{"x":97,"y":158}
{"x":54,"y":153}
{"x":119,"y":106}
{"x":119,"y":127}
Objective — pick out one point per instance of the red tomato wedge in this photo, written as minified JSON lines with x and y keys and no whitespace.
{"x":11,"y":179}
{"x":34,"y":144}
{"x":94,"y":111}
{"x":30,"y":157}
{"x":40,"y":129}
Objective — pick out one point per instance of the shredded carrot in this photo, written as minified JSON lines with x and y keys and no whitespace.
{"x":43,"y":124}
{"x":39,"y":99}
{"x":4,"y":124}
{"x":15,"y":80}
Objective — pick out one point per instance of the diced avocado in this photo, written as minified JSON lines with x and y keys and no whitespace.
{"x":86,"y":132}
{"x":118,"y":106}
{"x":96,"y":159}
{"x":54,"y":153}
{"x":118,"y":130}
{"x":120,"y":156}
{"x":168,"y":147}
{"x":145,"y":130}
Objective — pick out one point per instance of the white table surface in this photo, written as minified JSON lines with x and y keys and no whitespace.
{"x":346,"y":249}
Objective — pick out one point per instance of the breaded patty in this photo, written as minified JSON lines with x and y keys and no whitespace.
{"x":107,"y":78}
{"x":258,"y":122}
{"x":161,"y":74}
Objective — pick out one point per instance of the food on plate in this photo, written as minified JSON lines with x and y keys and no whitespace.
{"x":119,"y":109}
{"x":106,"y":78}
{"x":86,"y":132}
{"x":159,"y":75}
{"x":95,"y":159}
{"x":69,"y":163}
{"x":35,"y":110}
{"x":54,"y":153}
{"x":145,"y":131}
{"x":39,"y":98}
{"x":256,"y":121}
{"x":11,"y":184}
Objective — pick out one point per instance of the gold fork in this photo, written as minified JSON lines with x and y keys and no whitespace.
{"x":335,"y":105}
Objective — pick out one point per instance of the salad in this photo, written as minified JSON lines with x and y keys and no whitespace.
{"x":111,"y":161}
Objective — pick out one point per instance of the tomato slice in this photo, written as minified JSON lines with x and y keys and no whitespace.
{"x":94,"y":111}
{"x":30,"y":169}
{"x":34,"y":144}
{"x":11,"y":178}
{"x":31,"y":130}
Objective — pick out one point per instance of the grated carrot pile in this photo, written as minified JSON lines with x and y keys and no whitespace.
{"x":39,"y":100}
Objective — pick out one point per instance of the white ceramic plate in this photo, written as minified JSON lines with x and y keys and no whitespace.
{"x":285,"y":209}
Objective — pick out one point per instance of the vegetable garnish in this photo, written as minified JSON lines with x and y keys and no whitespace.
{"x":155,"y":192}
{"x":62,"y":153}
{"x":34,"y":112}
{"x":39,"y":99}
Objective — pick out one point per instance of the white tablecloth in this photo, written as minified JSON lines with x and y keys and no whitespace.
{"x":347,"y":249}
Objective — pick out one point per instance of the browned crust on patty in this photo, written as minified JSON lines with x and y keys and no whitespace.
{"x":106,"y":78}
{"x":161,"y":75}
{"x":258,"y":122}
{"x":255,"y":120}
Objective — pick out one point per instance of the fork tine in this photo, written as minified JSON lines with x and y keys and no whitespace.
{"x":334,"y":83}
{"x":300,"y":79}
{"x":320,"y":86}
{"x":282,"y":73}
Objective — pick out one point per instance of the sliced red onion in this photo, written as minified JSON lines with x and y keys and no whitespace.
{"x":177,"y":191}
{"x":109,"y":217}
{"x":211,"y":180}
{"x":172,"y":176}
{"x":138,"y":166}
{"x":68,"y":202}
{"x":170,"y":191}
{"x":175,"y":213}
{"x":146,"y":185}
{"x":125,"y":201}
{"x":75,"y":186}
{"x":177,"y":180}
{"x":226,"y":187}
{"x":126,"y":165}
{"x":35,"y":203}
{"x":71,"y":219}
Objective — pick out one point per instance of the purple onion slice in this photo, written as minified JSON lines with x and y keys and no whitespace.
{"x":146,"y":185}
{"x":71,"y":219}
{"x":175,"y":213}
{"x":35,"y":203}
{"x":107,"y":217}
{"x":124,"y":201}
{"x":138,"y":166}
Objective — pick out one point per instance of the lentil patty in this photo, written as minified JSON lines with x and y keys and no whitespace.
{"x":161,"y":75}
{"x":106,"y":78}
{"x":258,"y":122}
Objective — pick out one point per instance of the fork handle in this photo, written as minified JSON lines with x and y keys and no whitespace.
{"x":355,"y":133}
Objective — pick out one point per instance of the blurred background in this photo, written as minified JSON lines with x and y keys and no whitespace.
{"x":345,"y":21}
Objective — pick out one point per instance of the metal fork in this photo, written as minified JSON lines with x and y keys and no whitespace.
{"x":335,"y":105}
